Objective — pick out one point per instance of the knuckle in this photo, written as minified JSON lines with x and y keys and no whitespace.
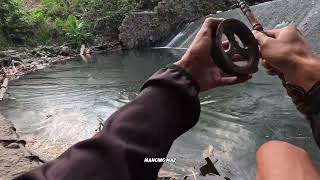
{"x":210,"y":21}
{"x":206,"y":32}
{"x":265,"y":43}
{"x":291,"y":29}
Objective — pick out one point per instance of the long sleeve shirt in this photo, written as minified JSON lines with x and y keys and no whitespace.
{"x":167,"y":107}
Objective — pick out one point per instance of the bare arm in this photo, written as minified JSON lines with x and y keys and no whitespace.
{"x":287,"y":55}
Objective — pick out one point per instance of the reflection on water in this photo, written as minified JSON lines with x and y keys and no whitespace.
{"x":55,"y":108}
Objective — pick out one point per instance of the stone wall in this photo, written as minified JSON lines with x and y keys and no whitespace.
{"x":143,"y":29}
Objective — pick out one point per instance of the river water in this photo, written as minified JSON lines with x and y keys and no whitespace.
{"x":56,"y":107}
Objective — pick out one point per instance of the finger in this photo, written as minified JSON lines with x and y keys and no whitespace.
{"x":266,"y":65}
{"x":233,"y":80}
{"x":274,"y":33}
{"x":270,"y":70}
{"x":212,"y":23}
{"x":261,"y":37}
{"x":209,"y":27}
{"x":225,"y":45}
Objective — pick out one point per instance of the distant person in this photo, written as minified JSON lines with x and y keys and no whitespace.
{"x":168,"y":106}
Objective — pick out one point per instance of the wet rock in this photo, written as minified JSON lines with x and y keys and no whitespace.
{"x":7,"y":141}
{"x":50,"y":51}
{"x":107,"y":46}
{"x":13,"y":159}
{"x":13,"y":146}
{"x":164,"y":178}
{"x":66,"y":51}
{"x":35,"y":158}
{"x":209,"y":168}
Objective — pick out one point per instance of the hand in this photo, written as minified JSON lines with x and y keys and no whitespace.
{"x":286,"y":53}
{"x":198,"y":62}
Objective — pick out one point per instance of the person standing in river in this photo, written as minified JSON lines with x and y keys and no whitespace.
{"x":168,"y":106}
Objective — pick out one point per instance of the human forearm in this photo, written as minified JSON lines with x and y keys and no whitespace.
{"x":167,"y":107}
{"x":308,"y":72}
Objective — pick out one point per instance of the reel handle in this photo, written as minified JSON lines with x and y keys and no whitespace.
{"x":251,"y":18}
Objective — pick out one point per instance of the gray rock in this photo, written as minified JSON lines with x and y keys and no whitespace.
{"x":66,"y":51}
{"x":143,"y":29}
{"x":13,"y":161}
{"x":13,"y":146}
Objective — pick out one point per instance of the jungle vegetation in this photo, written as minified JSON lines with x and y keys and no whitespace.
{"x":69,"y":22}
{"x":59,"y":21}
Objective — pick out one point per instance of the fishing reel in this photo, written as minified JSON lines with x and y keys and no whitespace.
{"x":235,"y":50}
{"x":240,"y":55}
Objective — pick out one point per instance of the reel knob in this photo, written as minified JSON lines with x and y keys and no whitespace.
{"x":242,"y":47}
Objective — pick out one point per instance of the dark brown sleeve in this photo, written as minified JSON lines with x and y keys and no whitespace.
{"x":167,"y":107}
{"x":308,"y":103}
{"x":314,"y":99}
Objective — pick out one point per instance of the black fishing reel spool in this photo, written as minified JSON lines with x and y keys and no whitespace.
{"x":246,"y":51}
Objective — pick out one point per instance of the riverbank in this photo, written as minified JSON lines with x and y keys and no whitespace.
{"x":51,"y":117}
{"x":15,"y":158}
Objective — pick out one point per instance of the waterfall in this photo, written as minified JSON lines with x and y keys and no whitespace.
{"x":185,"y":37}
{"x":274,"y":14}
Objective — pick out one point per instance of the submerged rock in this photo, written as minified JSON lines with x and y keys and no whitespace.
{"x":13,"y":146}
{"x":209,"y":168}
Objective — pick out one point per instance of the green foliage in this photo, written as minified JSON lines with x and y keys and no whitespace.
{"x":55,"y":9}
{"x":55,"y":24}
{"x":3,"y":42}
{"x":71,"y":22}
{"x":75,"y":31}
{"x":105,"y":16}
{"x":147,"y":4}
{"x":13,"y":25}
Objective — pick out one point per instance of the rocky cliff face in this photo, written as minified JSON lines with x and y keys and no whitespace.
{"x":142,"y":29}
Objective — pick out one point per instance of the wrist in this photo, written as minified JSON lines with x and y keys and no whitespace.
{"x":308,"y":72}
{"x":189,"y":67}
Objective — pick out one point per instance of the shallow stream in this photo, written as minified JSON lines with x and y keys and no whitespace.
{"x":57,"y":107}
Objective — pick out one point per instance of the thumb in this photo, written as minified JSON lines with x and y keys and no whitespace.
{"x":262,"y":38}
{"x":224,"y":81}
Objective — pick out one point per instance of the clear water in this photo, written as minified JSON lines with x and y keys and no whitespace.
{"x":56,"y":107}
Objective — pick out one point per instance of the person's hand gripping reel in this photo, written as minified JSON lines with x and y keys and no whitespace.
{"x":241,"y":57}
